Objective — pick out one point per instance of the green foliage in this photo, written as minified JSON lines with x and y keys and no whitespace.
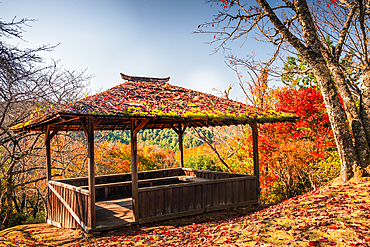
{"x":39,"y":218}
{"x":166,"y":138}
{"x":326,"y":169}
{"x":275,"y":195}
{"x":202,"y":162}
{"x":26,"y":218}
{"x":318,"y":173}
{"x":296,"y":73}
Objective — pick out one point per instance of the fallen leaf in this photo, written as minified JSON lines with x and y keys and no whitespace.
{"x":332,"y":227}
{"x":323,"y":240}
{"x":313,"y":243}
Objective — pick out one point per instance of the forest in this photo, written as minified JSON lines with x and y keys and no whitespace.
{"x":327,"y":85}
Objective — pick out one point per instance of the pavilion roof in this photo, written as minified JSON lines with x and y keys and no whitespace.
{"x":154,"y":99}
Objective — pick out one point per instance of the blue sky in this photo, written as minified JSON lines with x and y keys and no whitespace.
{"x":140,"y":38}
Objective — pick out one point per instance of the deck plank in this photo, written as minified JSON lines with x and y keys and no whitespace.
{"x":113,"y":214}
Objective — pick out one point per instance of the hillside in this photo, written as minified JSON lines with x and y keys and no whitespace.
{"x":333,"y":215}
{"x":166,"y":138}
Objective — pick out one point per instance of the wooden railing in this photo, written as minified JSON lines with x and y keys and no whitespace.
{"x":212,"y":175}
{"x":237,"y":191}
{"x":172,"y":201}
{"x":162,"y":194}
{"x":123,"y":177}
{"x":68,"y":206}
{"x":120,"y":190}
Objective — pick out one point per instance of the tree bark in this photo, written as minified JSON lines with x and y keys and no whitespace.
{"x":353,"y":115}
{"x":343,"y":139}
{"x":365,"y":101}
{"x":337,"y":116}
{"x":9,"y":201}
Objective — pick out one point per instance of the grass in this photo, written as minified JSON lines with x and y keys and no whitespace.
{"x":332,"y":215}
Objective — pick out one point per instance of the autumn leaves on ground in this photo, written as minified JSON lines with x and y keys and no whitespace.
{"x":333,"y":215}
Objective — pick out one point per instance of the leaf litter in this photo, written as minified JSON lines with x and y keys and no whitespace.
{"x":332,"y":215}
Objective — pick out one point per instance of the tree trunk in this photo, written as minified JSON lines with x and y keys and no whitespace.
{"x":353,"y":116}
{"x":311,"y":51}
{"x":9,"y":201}
{"x":365,"y":101}
{"x":348,"y":157}
{"x":365,"y":107}
{"x":2,"y":206}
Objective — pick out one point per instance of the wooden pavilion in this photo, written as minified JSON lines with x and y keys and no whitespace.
{"x":112,"y":201}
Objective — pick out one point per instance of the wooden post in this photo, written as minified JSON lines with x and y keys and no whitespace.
{"x":181,"y":148}
{"x":91,"y":168}
{"x":256,"y":165}
{"x":180,"y":132}
{"x":48,"y":154}
{"x":48,"y":171}
{"x":135,"y":127}
{"x":134,"y":175}
{"x":48,"y":137}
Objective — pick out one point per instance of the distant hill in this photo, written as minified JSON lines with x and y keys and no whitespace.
{"x":166,"y":138}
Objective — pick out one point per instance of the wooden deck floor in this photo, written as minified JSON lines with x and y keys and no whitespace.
{"x":113,"y":214}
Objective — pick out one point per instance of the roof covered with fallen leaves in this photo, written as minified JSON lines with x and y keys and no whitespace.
{"x":154,"y":99}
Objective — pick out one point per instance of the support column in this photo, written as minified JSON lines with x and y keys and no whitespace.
{"x":48,"y":137}
{"x":180,"y":130}
{"x":48,"y":155}
{"x":91,"y":170}
{"x":134,"y":175}
{"x":256,"y":166}
{"x":135,"y":127}
{"x":48,"y":171}
{"x":181,"y":148}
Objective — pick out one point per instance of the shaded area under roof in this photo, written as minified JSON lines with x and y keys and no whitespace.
{"x":163,"y":104}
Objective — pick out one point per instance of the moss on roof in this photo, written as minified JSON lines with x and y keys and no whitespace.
{"x":161,"y":100}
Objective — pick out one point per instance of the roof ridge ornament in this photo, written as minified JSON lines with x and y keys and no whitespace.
{"x":146,"y":79}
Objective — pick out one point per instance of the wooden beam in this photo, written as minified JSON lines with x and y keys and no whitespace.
{"x":180,"y":130}
{"x":48,"y":135}
{"x":147,"y":79}
{"x":256,"y":166}
{"x":134,"y":175}
{"x":64,"y":121}
{"x":91,"y":169}
{"x":84,"y":127}
{"x":140,"y":126}
{"x":181,"y":148}
{"x":185,"y":126}
{"x":125,"y":128}
{"x":97,"y":122}
{"x":48,"y":157}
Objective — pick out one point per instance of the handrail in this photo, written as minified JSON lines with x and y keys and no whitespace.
{"x":71,"y":187}
{"x":70,"y":210}
{"x":116,"y":184}
{"x":159,"y":187}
